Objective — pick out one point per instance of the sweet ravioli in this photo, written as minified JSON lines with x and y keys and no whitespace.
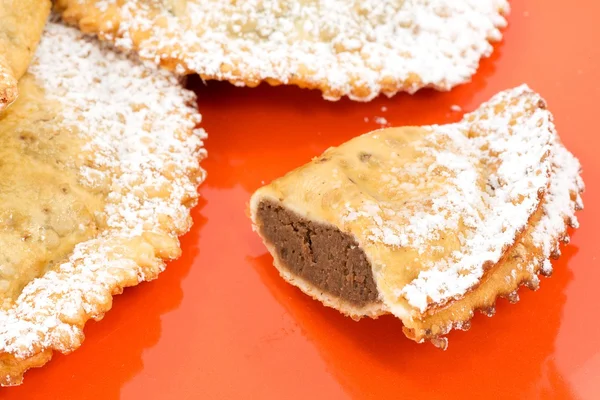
{"x":21,"y":25}
{"x":427,"y":223}
{"x":357,"y":48}
{"x":99,"y":158}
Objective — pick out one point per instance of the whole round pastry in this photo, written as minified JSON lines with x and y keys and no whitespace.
{"x":357,"y":49}
{"x":100,"y":164}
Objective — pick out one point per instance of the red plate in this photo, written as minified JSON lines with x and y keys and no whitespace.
{"x":221,"y":324}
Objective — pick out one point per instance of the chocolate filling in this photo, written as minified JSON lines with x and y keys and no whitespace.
{"x":320,"y":254}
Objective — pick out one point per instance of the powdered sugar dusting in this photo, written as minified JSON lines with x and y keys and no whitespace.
{"x":139,"y":125}
{"x":560,"y":203}
{"x":466,"y":196}
{"x":435,"y":208}
{"x":381,"y":121}
{"x":344,"y":48}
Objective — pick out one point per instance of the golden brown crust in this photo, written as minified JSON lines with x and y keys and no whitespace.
{"x":21,"y":25}
{"x":359,"y":50}
{"x":526,"y":260}
{"x":521,"y":266}
{"x":8,"y":84}
{"x":349,"y":187}
{"x":141,"y":152}
{"x":12,"y":368}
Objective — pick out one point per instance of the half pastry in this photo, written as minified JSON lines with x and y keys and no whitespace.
{"x":427,"y":223}
{"x":21,"y":25}
{"x":343,"y":48}
{"x":100,"y":166}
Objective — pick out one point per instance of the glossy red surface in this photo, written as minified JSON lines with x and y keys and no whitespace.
{"x":221,"y":324}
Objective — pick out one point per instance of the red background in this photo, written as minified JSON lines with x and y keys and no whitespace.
{"x":221,"y":324}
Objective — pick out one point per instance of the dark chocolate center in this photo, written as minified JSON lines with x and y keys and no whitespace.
{"x":320,"y":254}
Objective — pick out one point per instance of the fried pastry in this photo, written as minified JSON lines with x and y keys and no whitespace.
{"x":100,"y":167}
{"x":427,"y":223}
{"x":357,"y":49}
{"x":21,"y":25}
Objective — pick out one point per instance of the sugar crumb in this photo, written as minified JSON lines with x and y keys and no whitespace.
{"x":381,"y":121}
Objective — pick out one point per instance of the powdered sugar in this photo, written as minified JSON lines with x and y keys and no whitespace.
{"x":357,"y":49}
{"x":139,"y":125}
{"x":450,"y":218}
{"x":381,"y":121}
{"x":560,"y":203}
{"x":471,"y":189}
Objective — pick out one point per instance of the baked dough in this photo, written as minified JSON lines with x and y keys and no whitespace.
{"x":100,"y":167}
{"x":426,"y":223}
{"x":21,"y":25}
{"x":354,"y":48}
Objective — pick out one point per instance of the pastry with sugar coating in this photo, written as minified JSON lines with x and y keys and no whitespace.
{"x":100,"y":168}
{"x":357,"y":48}
{"x":427,"y":223}
{"x":21,"y":26}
